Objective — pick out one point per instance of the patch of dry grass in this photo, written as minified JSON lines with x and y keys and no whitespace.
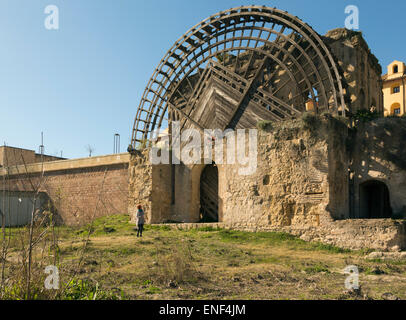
{"x":219,"y":264}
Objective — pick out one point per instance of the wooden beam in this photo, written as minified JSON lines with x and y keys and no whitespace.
{"x":246,"y":92}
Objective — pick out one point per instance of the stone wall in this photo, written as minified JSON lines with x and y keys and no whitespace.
{"x":79,"y":190}
{"x":304,"y":184}
{"x":150,"y":187}
{"x":140,"y":185}
{"x":379,"y":153}
{"x":294,"y":185}
{"x":381,"y":234}
{"x":360,"y":68}
{"x":307,"y":193}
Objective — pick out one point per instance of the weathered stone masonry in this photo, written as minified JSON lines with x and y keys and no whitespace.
{"x":289,"y":188}
{"x":301,"y":186}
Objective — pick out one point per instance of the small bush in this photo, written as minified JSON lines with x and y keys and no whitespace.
{"x":310,"y":121}
{"x":266,"y":126}
{"x":177,"y":266}
{"x":366,"y":115}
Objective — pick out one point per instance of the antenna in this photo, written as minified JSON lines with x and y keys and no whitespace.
{"x":116,"y":143}
{"x":41,"y":147}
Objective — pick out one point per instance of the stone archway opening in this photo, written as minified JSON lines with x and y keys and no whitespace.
{"x":209,"y":194}
{"x":375,"y":200}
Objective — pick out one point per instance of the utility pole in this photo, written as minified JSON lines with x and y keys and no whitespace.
{"x":116,"y":148}
{"x":41,"y":147}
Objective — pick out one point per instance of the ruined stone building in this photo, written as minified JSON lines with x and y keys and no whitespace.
{"x":320,"y":174}
{"x":360,"y":69}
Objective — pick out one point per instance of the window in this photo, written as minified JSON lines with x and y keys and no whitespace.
{"x":395,"y":109}
{"x":395,"y":69}
{"x":396,"y":89}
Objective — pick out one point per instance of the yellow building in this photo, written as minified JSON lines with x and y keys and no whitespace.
{"x":394,"y":89}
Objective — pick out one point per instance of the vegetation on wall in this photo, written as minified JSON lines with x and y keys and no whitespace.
{"x":366,"y":115}
{"x":264,"y":125}
{"x":310,"y":121}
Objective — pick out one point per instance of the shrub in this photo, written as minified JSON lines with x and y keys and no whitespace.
{"x":310,"y":121}
{"x":266,"y":126}
{"x":177,"y":266}
{"x":365,"y":115}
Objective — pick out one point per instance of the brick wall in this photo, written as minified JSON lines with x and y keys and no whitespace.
{"x":78,"y":195}
{"x":10,"y":156}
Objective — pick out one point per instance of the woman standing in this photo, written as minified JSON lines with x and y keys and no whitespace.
{"x":140,"y":221}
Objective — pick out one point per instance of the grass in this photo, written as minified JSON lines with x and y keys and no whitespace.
{"x":108,"y":225}
{"x":212,"y":263}
{"x":318,"y":268}
{"x":276,"y":238}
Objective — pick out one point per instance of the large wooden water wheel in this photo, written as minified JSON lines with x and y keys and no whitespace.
{"x":236,"y":68}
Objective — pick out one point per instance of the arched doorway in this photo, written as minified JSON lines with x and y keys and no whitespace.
{"x":209,"y":198}
{"x":375,"y":200}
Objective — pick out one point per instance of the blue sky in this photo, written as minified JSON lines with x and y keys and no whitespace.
{"x":82,"y":83}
